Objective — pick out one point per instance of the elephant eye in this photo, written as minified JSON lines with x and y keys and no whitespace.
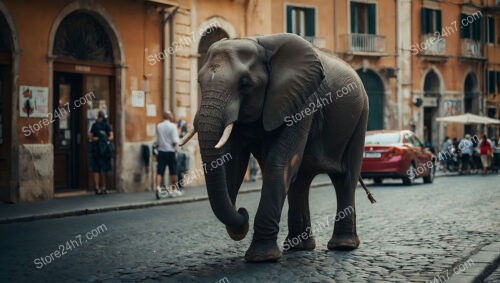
{"x":245,"y":83}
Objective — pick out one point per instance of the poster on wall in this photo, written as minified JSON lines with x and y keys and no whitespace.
{"x":33,"y":101}
{"x":138,"y":98}
{"x":451,"y":107}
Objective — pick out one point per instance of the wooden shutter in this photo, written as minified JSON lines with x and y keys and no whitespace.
{"x":476,"y":32}
{"x":310,"y":22}
{"x":438,"y":21}
{"x":491,"y":29}
{"x":491,"y":81}
{"x":464,"y":31}
{"x":424,"y":20}
{"x":289,"y":28}
{"x":354,"y":18}
{"x":372,"y":18}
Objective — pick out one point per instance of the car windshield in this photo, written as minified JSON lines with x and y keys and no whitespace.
{"x":383,"y":138}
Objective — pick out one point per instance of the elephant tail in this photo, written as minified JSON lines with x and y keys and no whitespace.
{"x":368,"y":193}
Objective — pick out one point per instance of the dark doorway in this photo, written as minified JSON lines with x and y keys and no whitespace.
{"x":432,"y":86}
{"x":375,"y":90}
{"x":471,"y":100}
{"x":5,"y":109}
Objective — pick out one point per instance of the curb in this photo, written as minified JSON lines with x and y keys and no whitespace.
{"x":486,"y":261}
{"x":139,"y":205}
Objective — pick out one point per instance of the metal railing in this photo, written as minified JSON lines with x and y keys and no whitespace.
{"x":316,"y":41}
{"x":365,"y":43}
{"x":436,"y":48}
{"x":472,"y":48}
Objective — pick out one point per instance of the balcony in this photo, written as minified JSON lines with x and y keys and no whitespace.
{"x":316,"y":41}
{"x":364,"y":44}
{"x":436,"y":48}
{"x":472,"y":48}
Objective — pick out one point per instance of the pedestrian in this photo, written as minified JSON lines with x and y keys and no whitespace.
{"x":486,"y":152}
{"x":496,"y":155}
{"x":167,"y":141}
{"x":466,"y":149}
{"x":445,"y":152}
{"x":102,"y":150}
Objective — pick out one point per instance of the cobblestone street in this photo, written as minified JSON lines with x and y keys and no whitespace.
{"x":410,"y":234}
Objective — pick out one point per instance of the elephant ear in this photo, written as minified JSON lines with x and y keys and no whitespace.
{"x":295,"y":73}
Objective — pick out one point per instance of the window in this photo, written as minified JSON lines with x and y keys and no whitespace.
{"x":473,"y":28}
{"x":498,"y":81}
{"x":363,"y":18}
{"x":430,"y":21}
{"x":491,"y":81}
{"x":490,"y":29}
{"x":300,"y":20}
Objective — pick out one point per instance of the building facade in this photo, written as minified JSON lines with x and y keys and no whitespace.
{"x":62,"y":61}
{"x":454,"y":57}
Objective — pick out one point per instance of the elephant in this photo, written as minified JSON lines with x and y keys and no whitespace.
{"x":256,"y":98}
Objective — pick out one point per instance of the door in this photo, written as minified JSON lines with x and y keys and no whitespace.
{"x":375,"y":91}
{"x":67,"y":131}
{"x":5,"y":135}
{"x":98,"y":90}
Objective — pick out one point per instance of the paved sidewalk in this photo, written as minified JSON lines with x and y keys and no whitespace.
{"x":90,"y":203}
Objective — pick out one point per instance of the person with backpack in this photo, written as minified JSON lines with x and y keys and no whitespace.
{"x":102,"y":150}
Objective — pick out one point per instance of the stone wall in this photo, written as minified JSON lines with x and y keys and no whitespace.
{"x":36,"y":173}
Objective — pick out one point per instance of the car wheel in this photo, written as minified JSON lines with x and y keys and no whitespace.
{"x":430,"y":178}
{"x":408,"y":179}
{"x":377,"y":181}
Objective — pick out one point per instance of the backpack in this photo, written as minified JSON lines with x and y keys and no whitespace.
{"x":106,"y":148}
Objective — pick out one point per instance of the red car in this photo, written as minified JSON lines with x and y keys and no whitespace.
{"x":396,"y":155}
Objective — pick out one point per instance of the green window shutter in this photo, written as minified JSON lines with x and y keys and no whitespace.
{"x":464,"y":31}
{"x":498,"y":81}
{"x":491,"y":81}
{"x":424,"y":20}
{"x":354,"y":18}
{"x":438,"y":21}
{"x":310,"y":22}
{"x":372,"y":18}
{"x":477,"y":29}
{"x":491,"y":29}
{"x":289,"y":28}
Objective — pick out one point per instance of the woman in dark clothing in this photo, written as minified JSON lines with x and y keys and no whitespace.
{"x":100,"y":160}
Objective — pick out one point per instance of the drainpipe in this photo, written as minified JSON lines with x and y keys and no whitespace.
{"x":168,"y":18}
{"x":399,"y":47}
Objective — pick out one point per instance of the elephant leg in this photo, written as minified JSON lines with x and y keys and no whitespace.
{"x":344,"y":235}
{"x":282,"y":161}
{"x":299,"y":220}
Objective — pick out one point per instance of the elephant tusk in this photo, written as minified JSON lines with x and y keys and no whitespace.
{"x":187,"y":137}
{"x":225,"y":136}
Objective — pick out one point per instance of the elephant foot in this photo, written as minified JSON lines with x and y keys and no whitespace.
{"x":343,"y":242}
{"x":263,"y":251}
{"x":299,"y":243}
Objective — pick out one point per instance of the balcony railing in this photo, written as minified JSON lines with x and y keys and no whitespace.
{"x":364,"y":43}
{"x":438,"y":47}
{"x":316,"y":41}
{"x":472,"y":48}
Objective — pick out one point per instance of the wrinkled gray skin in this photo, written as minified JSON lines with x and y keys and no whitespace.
{"x":256,"y":83}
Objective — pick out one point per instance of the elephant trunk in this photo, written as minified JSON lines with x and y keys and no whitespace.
{"x":210,"y":123}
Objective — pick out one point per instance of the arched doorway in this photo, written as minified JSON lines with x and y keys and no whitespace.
{"x":206,"y":41}
{"x":432,"y":90}
{"x":471,"y":99}
{"x":6,"y":50}
{"x":375,"y":90}
{"x":84,"y":82}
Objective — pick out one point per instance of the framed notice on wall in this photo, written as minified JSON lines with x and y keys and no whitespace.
{"x":138,"y":98}
{"x":33,"y":101}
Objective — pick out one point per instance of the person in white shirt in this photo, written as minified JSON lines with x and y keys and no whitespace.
{"x":167,"y":140}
